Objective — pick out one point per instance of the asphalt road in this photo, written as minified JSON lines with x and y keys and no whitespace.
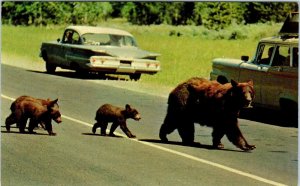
{"x":77,"y":157}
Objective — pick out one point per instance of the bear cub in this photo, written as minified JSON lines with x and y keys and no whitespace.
{"x":39,"y":111}
{"x":108,"y":113}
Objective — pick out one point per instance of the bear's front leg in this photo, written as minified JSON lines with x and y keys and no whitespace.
{"x":126,"y":130}
{"x":236,"y":137}
{"x":22,"y":125}
{"x":49,"y":129}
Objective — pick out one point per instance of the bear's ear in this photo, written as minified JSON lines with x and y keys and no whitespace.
{"x":250,"y":82}
{"x":234,"y":83}
{"x":55,"y":101}
{"x":127,"y":107}
{"x":52,"y":103}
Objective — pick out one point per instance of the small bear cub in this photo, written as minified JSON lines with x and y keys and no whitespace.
{"x":108,"y":113}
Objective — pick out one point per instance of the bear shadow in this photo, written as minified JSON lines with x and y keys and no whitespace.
{"x":17,"y":132}
{"x":194,"y":145}
{"x":99,"y":135}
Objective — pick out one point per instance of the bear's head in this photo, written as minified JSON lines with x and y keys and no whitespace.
{"x":242,"y":94}
{"x":132,"y":113}
{"x":53,"y":108}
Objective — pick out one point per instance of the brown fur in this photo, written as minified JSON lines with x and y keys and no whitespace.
{"x":208,"y":103}
{"x":109,"y":113}
{"x":38,"y":110}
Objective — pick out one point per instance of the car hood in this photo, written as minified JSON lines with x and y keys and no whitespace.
{"x":227,"y":62}
{"x":124,"y":52}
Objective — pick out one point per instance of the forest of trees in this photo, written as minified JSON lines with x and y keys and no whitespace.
{"x":213,"y":15}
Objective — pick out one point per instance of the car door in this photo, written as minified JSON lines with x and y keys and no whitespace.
{"x":256,"y":70}
{"x":58,"y":52}
{"x":281,"y":79}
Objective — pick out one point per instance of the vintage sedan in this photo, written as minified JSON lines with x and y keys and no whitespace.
{"x":274,"y":69}
{"x":99,"y":49}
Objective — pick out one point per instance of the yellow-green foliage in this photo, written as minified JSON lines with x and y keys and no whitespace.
{"x":186,"y":51}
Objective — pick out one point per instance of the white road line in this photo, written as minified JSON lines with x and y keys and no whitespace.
{"x":252,"y":176}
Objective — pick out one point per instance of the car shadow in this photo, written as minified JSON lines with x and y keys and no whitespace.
{"x":194,"y":145}
{"x":90,"y":76}
{"x":269,"y":116}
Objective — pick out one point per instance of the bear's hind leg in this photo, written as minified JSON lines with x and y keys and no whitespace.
{"x":113,"y":127}
{"x":217,"y":135}
{"x":166,"y":128}
{"x":32,"y":125}
{"x":103,"y":126}
{"x":96,"y":125}
{"x":11,"y":119}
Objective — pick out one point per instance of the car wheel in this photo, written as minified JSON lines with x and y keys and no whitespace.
{"x":135,"y":77}
{"x":50,"y":68}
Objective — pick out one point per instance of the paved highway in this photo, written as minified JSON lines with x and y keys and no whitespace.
{"x":77,"y":157}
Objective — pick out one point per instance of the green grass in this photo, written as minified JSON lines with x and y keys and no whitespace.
{"x":181,"y":57}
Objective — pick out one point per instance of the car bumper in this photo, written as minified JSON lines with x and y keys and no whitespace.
{"x":123,"y":66}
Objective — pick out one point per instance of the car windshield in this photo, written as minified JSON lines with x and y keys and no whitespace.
{"x":108,"y":40}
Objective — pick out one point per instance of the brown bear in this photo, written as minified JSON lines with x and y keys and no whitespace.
{"x":38,"y":110}
{"x":109,"y":113}
{"x":209,"y":103}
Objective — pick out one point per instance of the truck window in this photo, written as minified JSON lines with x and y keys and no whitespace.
{"x":295,"y":57}
{"x":281,"y":56}
{"x":265,"y":54}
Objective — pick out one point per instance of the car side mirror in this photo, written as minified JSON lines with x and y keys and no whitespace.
{"x":245,"y":58}
{"x":58,"y":40}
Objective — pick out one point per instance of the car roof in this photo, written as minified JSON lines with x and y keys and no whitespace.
{"x":99,"y":30}
{"x":281,"y":40}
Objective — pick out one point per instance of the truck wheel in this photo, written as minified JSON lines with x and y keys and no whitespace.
{"x":289,"y":110}
{"x":135,"y":77}
{"x":50,"y":68}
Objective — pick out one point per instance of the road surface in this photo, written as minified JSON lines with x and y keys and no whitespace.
{"x":77,"y":157}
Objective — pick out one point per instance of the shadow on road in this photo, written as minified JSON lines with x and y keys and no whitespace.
{"x":195,"y":145}
{"x":17,"y":132}
{"x":75,"y":75}
{"x":255,"y":114}
{"x":268,"y":116}
{"x":91,"y":134}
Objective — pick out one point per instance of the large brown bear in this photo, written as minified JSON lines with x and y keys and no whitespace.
{"x":209,"y":103}
{"x":109,"y":113}
{"x":39,"y":111}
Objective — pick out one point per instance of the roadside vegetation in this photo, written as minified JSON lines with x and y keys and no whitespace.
{"x":188,"y":35}
{"x":186,"y":51}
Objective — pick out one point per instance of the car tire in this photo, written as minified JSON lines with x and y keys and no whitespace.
{"x":289,"y":110}
{"x":50,"y":68}
{"x":135,"y":77}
